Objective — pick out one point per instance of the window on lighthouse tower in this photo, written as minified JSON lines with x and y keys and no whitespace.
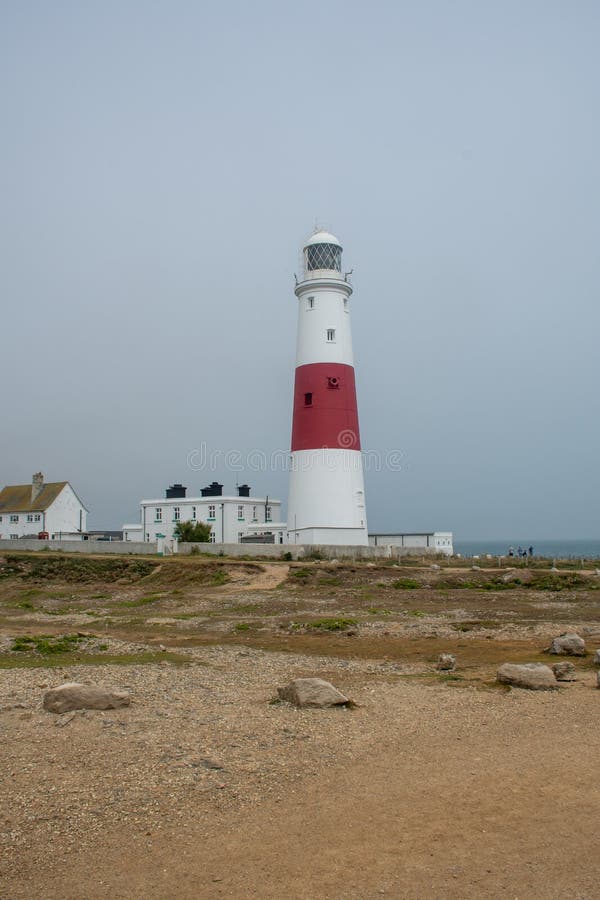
{"x":331,"y":335}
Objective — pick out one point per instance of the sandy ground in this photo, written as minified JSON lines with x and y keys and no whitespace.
{"x":202,"y":788}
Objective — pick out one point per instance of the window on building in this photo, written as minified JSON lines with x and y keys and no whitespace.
{"x":240,"y":512}
{"x":0,"y":518}
{"x":211,"y":511}
{"x":176,"y":513}
{"x":30,"y":517}
{"x":254,"y":514}
{"x":14,"y":537}
{"x":36,"y":518}
{"x":345,"y":304}
{"x":331,"y":335}
{"x":310,"y":303}
{"x":14,"y":518}
{"x":213,"y":537}
{"x":158,"y":514}
{"x":308,"y":398}
{"x":268,"y":514}
{"x":193,"y":513}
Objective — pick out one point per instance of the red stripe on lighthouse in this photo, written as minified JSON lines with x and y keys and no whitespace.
{"x":325,"y":410}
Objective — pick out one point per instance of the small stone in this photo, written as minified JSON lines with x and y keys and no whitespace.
{"x":533,"y":676}
{"x":312,"y":692}
{"x":564,"y":671}
{"x":435,"y":567}
{"x":446,"y":662}
{"x":476,"y":568}
{"x":72,"y":695}
{"x":598,"y":679}
{"x":568,"y":644}
{"x":597,"y":658}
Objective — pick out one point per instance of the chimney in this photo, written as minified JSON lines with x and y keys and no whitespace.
{"x":37,"y":486}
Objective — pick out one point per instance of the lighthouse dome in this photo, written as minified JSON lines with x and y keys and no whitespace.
{"x":322,"y":251}
{"x":322,"y":237}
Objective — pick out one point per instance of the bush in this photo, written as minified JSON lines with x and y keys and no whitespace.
{"x":192,"y":532}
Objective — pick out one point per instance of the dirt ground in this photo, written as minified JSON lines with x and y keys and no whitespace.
{"x":433,"y":786}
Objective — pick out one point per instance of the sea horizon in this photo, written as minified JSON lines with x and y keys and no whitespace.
{"x":564,"y":548}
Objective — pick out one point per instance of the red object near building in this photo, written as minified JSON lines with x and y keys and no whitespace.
{"x":43,"y":536}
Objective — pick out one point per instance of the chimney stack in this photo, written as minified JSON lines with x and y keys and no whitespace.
{"x":37,"y":486}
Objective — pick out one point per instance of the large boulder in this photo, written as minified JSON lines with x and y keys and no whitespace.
{"x":533,"y":676}
{"x":564,"y":671}
{"x":568,"y":644}
{"x":312,"y":692}
{"x":72,"y":695}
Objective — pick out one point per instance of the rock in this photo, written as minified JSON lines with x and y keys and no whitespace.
{"x":598,"y":679}
{"x":312,"y":692}
{"x":510,"y":576}
{"x":597,"y":658}
{"x":71,"y":695}
{"x":554,"y":569}
{"x":533,"y":676}
{"x":435,"y":567}
{"x":564,"y":671}
{"x":476,"y":568}
{"x":446,"y":662}
{"x":568,"y":644}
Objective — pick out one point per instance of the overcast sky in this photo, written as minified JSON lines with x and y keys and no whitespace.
{"x":161,"y":164}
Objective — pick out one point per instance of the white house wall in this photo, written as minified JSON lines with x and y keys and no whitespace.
{"x":66,"y":514}
{"x":226,"y":524}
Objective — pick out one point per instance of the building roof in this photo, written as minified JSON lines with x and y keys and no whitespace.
{"x":16,"y":498}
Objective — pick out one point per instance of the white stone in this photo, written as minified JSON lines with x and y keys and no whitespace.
{"x":533,"y":676}
{"x":312,"y":692}
{"x":72,"y":695}
{"x":568,"y":644}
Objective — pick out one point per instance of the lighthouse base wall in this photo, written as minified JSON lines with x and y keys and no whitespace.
{"x":327,"y":498}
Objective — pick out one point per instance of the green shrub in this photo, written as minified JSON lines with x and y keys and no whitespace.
{"x":47,"y":644}
{"x":406,"y":584}
{"x":332,"y":624}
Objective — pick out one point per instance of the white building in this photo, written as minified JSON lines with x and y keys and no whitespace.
{"x":52,"y":510}
{"x":438,"y":541}
{"x":232,"y":518}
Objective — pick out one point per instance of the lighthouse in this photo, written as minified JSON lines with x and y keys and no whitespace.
{"x":326,"y":503}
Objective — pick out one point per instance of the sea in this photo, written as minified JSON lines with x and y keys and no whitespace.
{"x":585,"y":548}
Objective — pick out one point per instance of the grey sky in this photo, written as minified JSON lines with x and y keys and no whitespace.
{"x":160,"y":164}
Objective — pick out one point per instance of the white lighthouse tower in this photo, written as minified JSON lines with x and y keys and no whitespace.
{"x":326,"y":503}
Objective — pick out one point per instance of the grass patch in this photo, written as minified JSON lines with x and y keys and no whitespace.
{"x":76,"y":569}
{"x":141,"y":601}
{"x":418,"y":613}
{"x":219,"y":577}
{"x":46,"y":644}
{"x":332,"y":624}
{"x":9,"y":661}
{"x":329,"y":581}
{"x":242,"y":626}
{"x":406,"y":584}
{"x":379,"y":612}
{"x":300,"y":573}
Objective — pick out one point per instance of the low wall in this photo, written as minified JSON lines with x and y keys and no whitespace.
{"x":301,"y":551}
{"x":104,"y":547}
{"x":253,"y":551}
